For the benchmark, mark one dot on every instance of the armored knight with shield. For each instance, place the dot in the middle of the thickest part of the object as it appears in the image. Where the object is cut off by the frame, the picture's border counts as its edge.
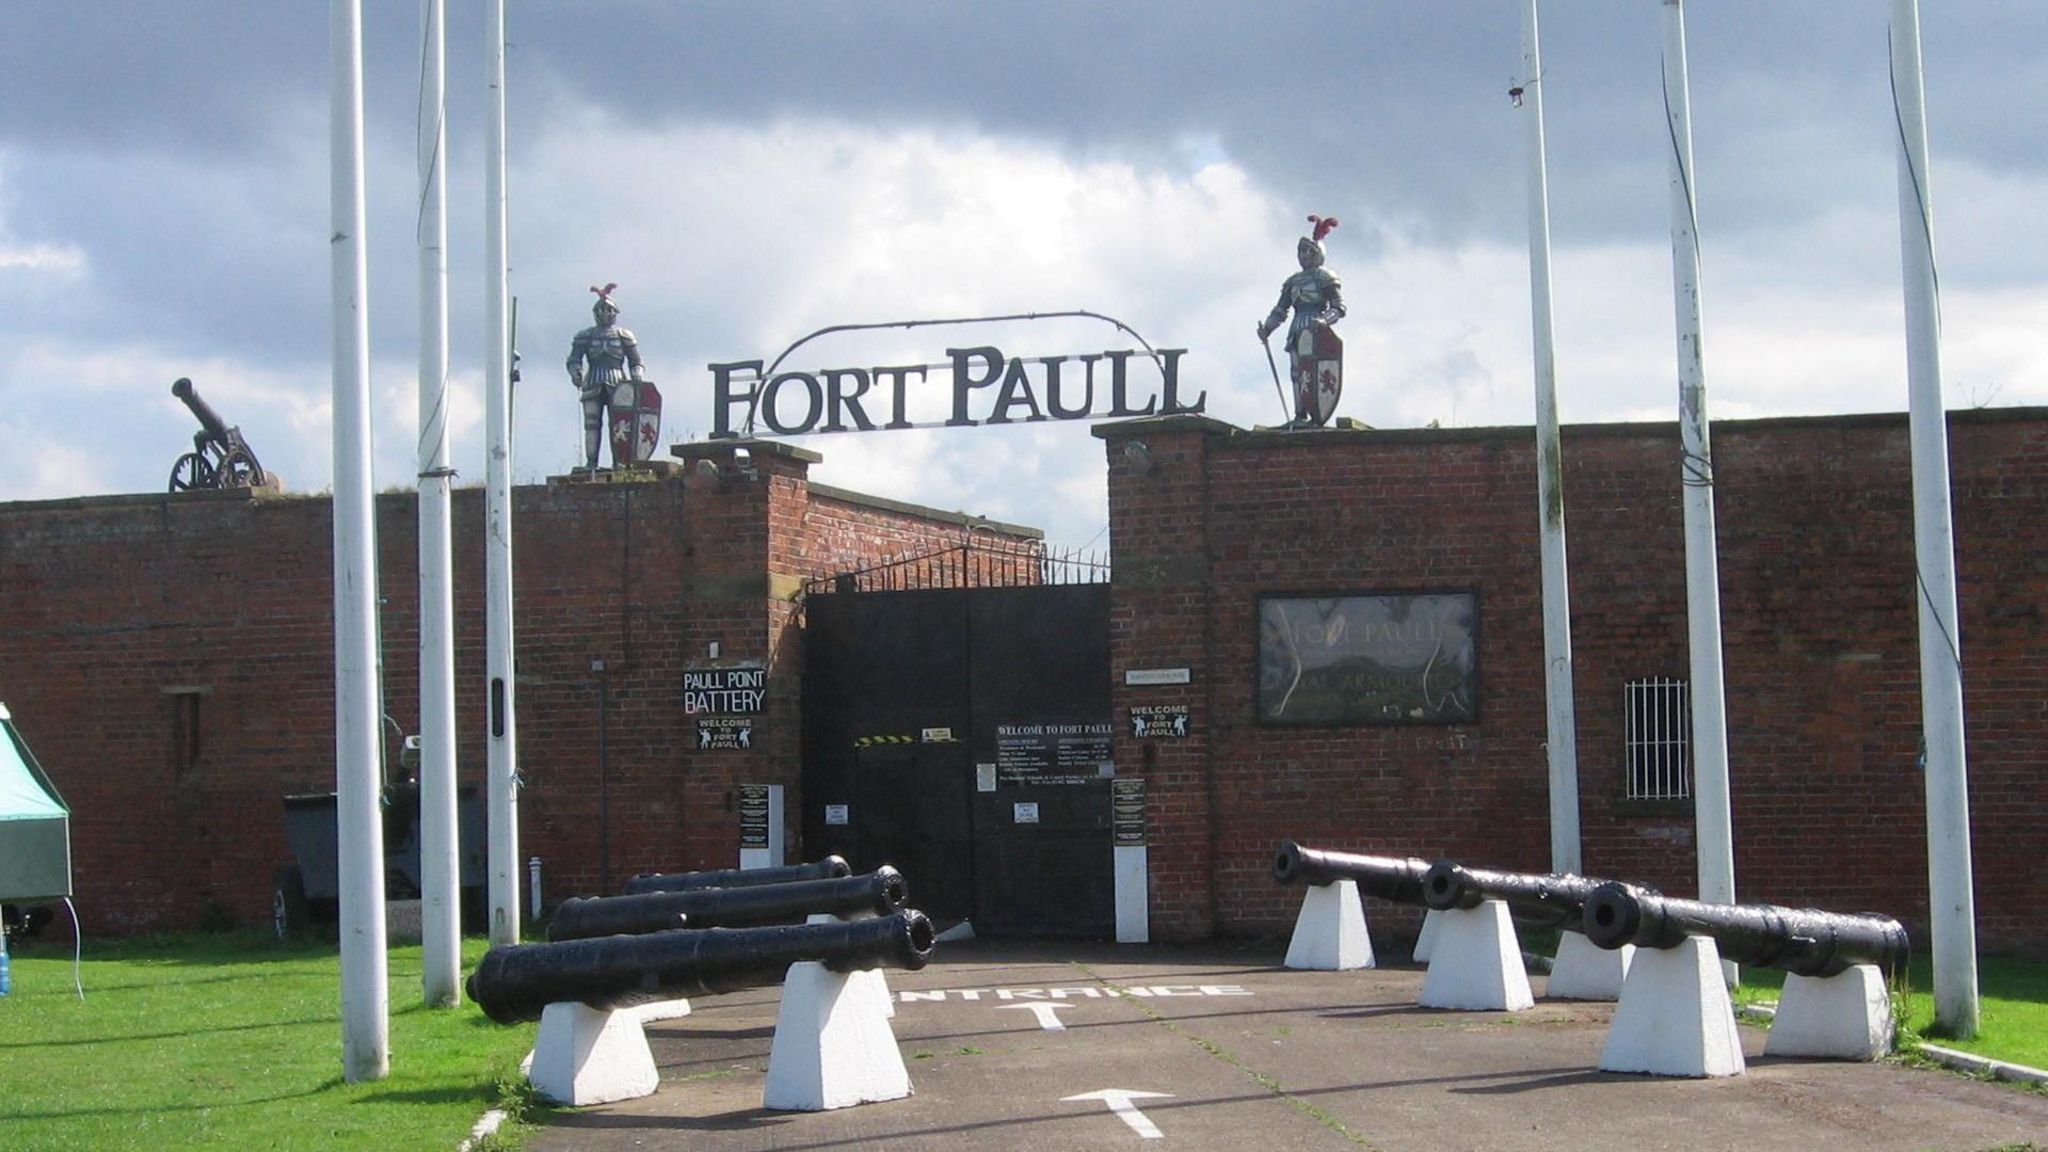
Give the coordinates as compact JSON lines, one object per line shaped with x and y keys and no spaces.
{"x":604,"y":365}
{"x":1315,"y":355}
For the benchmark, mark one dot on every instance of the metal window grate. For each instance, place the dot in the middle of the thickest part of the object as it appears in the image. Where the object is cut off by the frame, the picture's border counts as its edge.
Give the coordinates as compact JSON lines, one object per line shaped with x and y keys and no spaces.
{"x":1659,"y":739}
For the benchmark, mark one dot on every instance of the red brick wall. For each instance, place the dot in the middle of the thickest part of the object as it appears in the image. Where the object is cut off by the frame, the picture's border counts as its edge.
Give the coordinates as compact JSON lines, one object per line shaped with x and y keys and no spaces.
{"x":1821,"y":653}
{"x":107,"y":605}
{"x":112,"y":607}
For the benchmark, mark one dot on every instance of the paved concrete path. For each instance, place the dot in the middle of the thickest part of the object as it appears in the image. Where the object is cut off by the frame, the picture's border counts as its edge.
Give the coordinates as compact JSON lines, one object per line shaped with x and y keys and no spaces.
{"x":1222,"y":1049}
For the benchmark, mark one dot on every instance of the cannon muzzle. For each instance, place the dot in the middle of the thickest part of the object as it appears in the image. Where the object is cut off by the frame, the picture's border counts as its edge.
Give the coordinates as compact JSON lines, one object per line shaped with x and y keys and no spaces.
{"x":216,"y":428}
{"x":830,"y":868}
{"x":1388,"y":877}
{"x":1545,"y":900}
{"x":879,"y":892}
{"x":1802,"y":941}
{"x":515,"y":982}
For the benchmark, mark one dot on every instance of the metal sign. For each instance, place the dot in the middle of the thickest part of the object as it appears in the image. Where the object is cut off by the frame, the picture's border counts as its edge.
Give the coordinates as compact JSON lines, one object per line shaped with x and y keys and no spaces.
{"x":726,"y":691}
{"x":1157,"y":721}
{"x":986,"y":386}
{"x":753,"y":816}
{"x":1054,"y":753}
{"x":1127,"y":811}
{"x":715,"y":732}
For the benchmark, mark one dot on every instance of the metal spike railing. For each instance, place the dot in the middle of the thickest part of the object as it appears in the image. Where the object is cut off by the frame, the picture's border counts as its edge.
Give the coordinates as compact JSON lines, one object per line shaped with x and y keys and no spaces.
{"x":971,"y":564}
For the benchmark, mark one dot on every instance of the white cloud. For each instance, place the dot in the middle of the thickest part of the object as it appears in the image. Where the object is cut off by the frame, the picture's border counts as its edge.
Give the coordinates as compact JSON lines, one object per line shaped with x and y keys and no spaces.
{"x":730,"y":243}
{"x":61,"y":259}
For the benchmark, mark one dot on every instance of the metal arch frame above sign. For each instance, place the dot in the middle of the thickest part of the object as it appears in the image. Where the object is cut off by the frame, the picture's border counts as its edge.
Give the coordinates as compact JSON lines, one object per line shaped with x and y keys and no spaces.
{"x":766,"y":379}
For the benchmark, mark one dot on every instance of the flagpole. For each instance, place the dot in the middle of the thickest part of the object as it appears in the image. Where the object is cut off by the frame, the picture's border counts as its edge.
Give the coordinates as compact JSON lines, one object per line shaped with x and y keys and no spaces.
{"x":1951,"y":905}
{"x":1713,"y":823}
{"x":440,"y":874}
{"x":1561,"y":742}
{"x":502,"y":769}
{"x":358,"y":734}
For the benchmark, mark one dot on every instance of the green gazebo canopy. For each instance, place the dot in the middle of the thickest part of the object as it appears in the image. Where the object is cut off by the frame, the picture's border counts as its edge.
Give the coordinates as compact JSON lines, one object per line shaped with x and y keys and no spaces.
{"x":35,"y":826}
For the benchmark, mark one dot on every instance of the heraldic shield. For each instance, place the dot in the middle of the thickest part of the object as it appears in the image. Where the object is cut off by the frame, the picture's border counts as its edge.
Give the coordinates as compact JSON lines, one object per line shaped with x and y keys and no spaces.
{"x":635,"y":421}
{"x":1318,"y":377}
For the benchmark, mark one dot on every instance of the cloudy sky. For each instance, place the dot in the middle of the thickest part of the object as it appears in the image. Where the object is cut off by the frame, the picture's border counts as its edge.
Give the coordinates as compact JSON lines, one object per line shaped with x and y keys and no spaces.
{"x":748,"y":172}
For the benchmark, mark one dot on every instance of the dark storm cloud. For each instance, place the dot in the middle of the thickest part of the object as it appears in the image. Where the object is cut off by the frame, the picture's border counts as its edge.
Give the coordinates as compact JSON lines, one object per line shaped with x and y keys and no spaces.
{"x":172,"y":156}
{"x":1397,"y":106}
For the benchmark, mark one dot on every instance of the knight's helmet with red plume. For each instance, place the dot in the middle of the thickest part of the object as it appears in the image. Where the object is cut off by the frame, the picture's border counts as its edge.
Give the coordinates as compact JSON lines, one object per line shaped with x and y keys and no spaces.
{"x":1319,"y":227}
{"x":604,"y":303}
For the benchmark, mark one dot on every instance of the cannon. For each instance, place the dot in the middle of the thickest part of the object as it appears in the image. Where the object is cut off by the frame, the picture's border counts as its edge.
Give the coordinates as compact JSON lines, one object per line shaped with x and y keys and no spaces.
{"x":1801,"y":941}
{"x":1553,"y":900}
{"x":515,"y":982}
{"x":880,"y":892}
{"x":1388,"y":877}
{"x":830,"y":868}
{"x":220,"y":458}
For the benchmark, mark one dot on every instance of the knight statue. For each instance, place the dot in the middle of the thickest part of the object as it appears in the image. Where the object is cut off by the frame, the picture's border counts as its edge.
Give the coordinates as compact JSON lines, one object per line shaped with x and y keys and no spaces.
{"x":604,"y":365}
{"x":1315,"y":355}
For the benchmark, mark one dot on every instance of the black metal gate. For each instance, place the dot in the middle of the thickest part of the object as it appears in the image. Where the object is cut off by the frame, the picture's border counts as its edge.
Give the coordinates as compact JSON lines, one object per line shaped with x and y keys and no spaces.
{"x":962,"y":734}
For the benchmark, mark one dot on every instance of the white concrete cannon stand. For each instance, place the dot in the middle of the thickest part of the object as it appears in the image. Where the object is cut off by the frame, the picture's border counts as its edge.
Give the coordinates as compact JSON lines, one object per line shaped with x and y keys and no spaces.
{"x":1475,"y":964}
{"x":833,"y":1045}
{"x":1674,"y":1018}
{"x":1847,"y":1016}
{"x":1425,"y":940}
{"x":1583,"y":970}
{"x":1329,"y":932}
{"x":586,"y":1055}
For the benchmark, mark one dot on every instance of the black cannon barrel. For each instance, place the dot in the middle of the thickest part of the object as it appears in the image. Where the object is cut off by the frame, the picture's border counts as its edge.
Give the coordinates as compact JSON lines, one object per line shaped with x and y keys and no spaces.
{"x":830,"y":868}
{"x":216,"y":428}
{"x":1393,"y":878}
{"x":515,"y":982}
{"x":1799,"y":940}
{"x":881,"y":892}
{"x":1548,"y":900}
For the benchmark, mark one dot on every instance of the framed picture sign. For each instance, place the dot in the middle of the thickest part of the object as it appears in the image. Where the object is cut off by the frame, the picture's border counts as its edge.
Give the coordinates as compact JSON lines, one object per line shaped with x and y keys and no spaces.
{"x":1369,"y":659}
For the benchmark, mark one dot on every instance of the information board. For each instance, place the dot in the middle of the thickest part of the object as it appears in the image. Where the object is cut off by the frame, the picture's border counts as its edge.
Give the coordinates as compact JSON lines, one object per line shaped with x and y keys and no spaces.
{"x":1369,"y":659}
{"x":1040,"y":754}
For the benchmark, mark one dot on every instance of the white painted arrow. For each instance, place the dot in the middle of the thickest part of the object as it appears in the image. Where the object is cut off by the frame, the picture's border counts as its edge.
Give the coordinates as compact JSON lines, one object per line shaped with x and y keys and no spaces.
{"x":1119,"y":1101}
{"x":1048,"y":1015}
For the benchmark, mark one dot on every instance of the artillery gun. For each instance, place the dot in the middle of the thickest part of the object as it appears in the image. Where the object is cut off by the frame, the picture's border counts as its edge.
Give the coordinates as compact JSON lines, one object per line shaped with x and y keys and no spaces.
{"x":515,"y":982}
{"x":1394,"y":878}
{"x":220,"y":458}
{"x":878,"y":893}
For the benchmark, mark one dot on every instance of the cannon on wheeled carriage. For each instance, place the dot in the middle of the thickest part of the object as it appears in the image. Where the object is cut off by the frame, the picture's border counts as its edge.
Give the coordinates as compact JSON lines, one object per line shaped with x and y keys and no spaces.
{"x":220,"y":458}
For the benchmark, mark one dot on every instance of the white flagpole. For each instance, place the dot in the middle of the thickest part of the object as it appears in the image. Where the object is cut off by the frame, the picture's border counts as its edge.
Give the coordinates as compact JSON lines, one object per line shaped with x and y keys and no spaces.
{"x":365,"y":1025}
{"x":1951,"y":905}
{"x":502,"y":770}
{"x":1562,"y":733}
{"x":440,"y":876}
{"x":1702,"y":567}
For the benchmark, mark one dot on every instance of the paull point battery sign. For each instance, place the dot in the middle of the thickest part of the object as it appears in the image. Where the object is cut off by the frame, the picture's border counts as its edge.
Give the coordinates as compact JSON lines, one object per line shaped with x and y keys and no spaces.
{"x":724,"y":691}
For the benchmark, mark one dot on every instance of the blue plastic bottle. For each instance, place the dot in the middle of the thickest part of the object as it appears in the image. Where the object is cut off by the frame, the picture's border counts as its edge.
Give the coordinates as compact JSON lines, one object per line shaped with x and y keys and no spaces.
{"x":6,"y":980}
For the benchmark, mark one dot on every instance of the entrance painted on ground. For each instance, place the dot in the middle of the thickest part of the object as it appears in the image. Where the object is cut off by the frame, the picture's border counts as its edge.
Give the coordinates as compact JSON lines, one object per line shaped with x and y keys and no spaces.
{"x":963,"y":736}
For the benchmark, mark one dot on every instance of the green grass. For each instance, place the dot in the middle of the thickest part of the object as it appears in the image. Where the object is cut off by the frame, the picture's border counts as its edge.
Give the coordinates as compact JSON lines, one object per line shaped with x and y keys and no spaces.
{"x":234,"y":1041}
{"x":2013,"y":1008}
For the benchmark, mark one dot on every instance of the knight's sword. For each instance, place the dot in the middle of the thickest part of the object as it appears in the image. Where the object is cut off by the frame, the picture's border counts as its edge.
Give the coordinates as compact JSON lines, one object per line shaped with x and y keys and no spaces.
{"x":1286,"y":409}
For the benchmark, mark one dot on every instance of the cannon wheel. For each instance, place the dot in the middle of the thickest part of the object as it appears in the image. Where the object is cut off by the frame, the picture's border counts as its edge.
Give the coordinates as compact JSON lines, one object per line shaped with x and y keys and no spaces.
{"x":191,"y":471}
{"x":290,"y":915}
{"x":238,"y":469}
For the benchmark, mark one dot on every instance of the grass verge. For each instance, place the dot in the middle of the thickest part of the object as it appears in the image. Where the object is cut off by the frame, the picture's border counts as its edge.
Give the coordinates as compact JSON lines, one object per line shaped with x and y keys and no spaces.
{"x":234,"y":1041}
{"x":2013,"y":1008}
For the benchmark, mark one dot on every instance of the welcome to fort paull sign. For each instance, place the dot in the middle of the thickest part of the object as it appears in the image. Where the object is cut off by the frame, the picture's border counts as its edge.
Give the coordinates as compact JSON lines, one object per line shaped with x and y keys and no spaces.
{"x":984,"y":386}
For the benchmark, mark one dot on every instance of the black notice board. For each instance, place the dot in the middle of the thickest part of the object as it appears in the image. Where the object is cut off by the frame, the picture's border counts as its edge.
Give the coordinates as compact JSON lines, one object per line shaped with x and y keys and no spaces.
{"x":1369,"y":658}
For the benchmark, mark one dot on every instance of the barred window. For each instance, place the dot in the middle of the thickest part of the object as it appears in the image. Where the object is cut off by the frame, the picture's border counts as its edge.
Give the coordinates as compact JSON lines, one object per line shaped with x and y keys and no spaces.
{"x":1659,"y":734}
